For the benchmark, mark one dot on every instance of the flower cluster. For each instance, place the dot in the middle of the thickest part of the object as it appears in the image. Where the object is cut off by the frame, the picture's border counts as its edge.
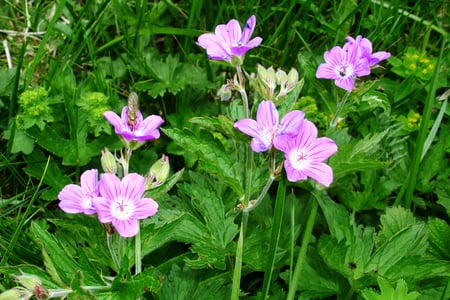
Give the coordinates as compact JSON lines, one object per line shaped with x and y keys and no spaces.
{"x":354,"y":59}
{"x":296,"y":137}
{"x":115,"y":201}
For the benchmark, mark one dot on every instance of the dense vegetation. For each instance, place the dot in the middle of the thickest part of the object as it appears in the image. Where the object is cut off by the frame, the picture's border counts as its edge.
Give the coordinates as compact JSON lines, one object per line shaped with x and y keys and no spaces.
{"x":381,"y":230}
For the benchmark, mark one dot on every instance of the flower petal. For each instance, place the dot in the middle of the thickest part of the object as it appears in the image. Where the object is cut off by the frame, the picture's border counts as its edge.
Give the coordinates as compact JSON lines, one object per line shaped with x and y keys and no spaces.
{"x":133,"y":187}
{"x":291,"y":122}
{"x":320,"y":172}
{"x":71,"y":197}
{"x":144,"y":208}
{"x":322,"y":149}
{"x":249,"y":127}
{"x":103,"y":207}
{"x":89,"y":182}
{"x":267,"y":116}
{"x":109,"y":186}
{"x":126,"y":228}
{"x":248,"y":29}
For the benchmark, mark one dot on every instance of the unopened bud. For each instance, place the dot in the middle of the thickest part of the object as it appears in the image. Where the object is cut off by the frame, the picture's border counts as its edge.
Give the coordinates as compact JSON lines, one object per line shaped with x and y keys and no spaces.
{"x":16,"y":293}
{"x":159,"y":172}
{"x":108,"y":162}
{"x":281,"y":77}
{"x":224,"y":93}
{"x":292,"y":79}
{"x":29,"y":281}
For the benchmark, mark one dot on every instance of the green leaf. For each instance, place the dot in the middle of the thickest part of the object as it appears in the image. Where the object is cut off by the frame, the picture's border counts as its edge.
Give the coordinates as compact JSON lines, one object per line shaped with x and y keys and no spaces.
{"x":352,"y":158}
{"x":409,"y":241}
{"x":388,"y":292}
{"x":218,"y":160}
{"x":439,"y":237}
{"x":394,"y":220}
{"x":186,"y":283}
{"x":58,"y":261}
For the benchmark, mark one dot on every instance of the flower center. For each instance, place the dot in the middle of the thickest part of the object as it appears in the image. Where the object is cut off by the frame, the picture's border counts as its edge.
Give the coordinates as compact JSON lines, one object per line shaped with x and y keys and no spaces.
{"x":299,"y":159}
{"x":345,"y":71}
{"x":87,"y":200}
{"x":122,"y":209}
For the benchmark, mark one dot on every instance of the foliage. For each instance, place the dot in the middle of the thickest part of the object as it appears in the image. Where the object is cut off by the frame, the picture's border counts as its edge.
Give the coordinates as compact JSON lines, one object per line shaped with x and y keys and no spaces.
{"x":67,"y":62}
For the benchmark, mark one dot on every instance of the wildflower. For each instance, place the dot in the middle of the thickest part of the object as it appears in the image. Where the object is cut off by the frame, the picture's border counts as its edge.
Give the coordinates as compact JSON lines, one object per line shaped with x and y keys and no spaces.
{"x":228,"y":40}
{"x":365,"y":50}
{"x":342,"y":65}
{"x":78,"y":199}
{"x":137,"y":129}
{"x":305,"y":154}
{"x":266,"y":128}
{"x":122,"y":204}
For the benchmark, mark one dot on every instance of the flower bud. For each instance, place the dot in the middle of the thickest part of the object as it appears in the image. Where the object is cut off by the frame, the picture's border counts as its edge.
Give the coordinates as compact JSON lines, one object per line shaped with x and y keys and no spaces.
{"x":281,"y":77}
{"x":16,"y":293}
{"x":224,"y":93}
{"x":29,"y":281}
{"x":292,"y":79}
{"x":159,"y":172}
{"x":108,"y":162}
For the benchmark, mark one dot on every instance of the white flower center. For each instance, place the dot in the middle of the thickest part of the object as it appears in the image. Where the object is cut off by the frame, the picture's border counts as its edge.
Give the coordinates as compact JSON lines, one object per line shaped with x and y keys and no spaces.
{"x":87,"y":200}
{"x":299,"y":159}
{"x":345,"y":71}
{"x":122,"y":208}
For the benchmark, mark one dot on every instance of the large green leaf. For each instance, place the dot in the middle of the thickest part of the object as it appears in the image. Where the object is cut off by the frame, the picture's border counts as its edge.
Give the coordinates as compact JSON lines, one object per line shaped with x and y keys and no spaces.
{"x":218,"y":161}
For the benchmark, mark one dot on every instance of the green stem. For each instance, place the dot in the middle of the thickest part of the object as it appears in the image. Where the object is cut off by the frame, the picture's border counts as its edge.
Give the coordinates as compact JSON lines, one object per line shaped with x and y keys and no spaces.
{"x":137,"y":253}
{"x":251,"y":206}
{"x":303,"y":249}
{"x":112,"y":251}
{"x":276,"y":229}
{"x":243,"y":91}
{"x":339,"y":108}
{"x":235,"y":291}
{"x":236,"y":287}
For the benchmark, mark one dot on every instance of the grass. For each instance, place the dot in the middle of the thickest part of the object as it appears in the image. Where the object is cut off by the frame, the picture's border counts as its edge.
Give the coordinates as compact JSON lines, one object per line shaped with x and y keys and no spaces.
{"x":392,"y":162}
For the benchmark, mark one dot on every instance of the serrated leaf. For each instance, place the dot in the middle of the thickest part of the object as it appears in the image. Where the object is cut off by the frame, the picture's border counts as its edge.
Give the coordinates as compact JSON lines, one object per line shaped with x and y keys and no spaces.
{"x":418,"y":268}
{"x":439,"y":238}
{"x":409,"y":241}
{"x":58,"y":261}
{"x":394,"y":220}
{"x":388,"y":292}
{"x":214,"y":156}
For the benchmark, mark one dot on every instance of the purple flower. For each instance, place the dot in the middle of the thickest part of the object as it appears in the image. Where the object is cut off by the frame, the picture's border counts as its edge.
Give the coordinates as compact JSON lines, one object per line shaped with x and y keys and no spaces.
{"x":122,"y":204}
{"x":76,"y":199}
{"x":342,"y":65}
{"x":228,"y":40}
{"x":266,"y":128}
{"x":140,"y":129}
{"x":305,"y":154}
{"x":365,"y":50}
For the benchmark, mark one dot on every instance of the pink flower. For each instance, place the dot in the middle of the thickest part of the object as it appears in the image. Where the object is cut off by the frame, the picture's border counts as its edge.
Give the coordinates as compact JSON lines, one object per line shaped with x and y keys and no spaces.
{"x":228,"y":40}
{"x":342,"y":65}
{"x":305,"y":155}
{"x":365,"y":50}
{"x":266,"y":128}
{"x":122,"y":204}
{"x":76,"y":199}
{"x":140,"y":130}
